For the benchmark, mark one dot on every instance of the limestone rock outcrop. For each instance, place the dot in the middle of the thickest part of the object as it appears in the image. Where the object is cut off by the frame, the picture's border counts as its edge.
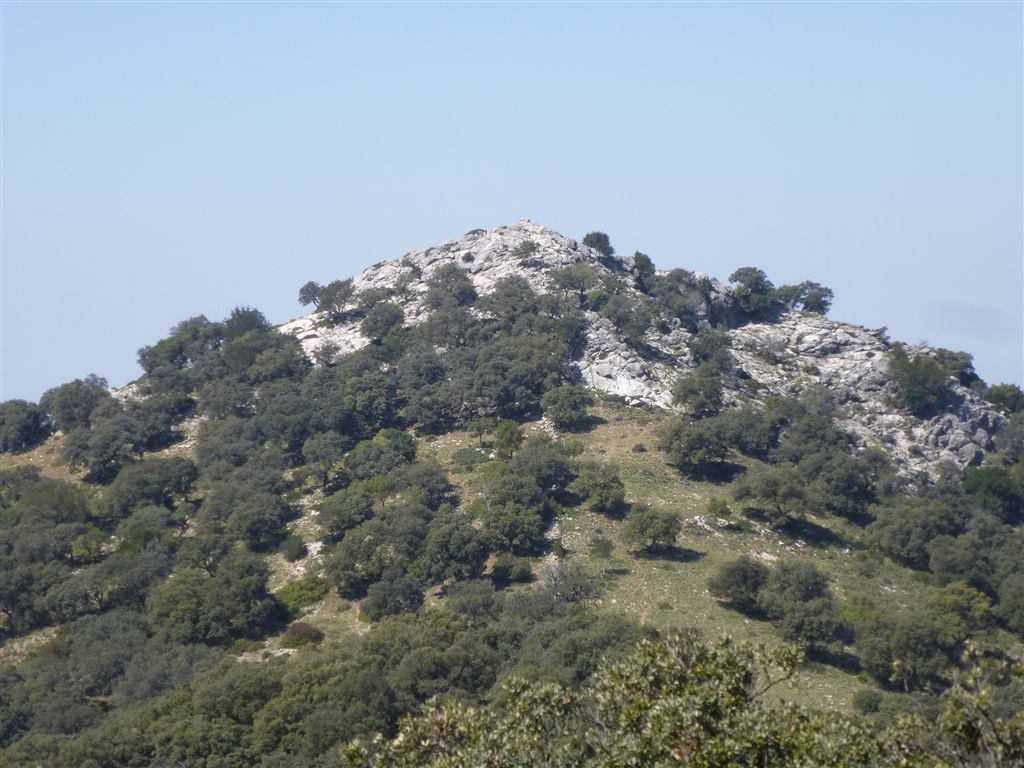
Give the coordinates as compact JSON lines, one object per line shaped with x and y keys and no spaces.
{"x":785,"y":357}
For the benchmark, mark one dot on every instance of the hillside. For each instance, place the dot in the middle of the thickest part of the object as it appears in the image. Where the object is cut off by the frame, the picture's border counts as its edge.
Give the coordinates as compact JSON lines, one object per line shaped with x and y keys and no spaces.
{"x":793,"y":352}
{"x":470,"y":483}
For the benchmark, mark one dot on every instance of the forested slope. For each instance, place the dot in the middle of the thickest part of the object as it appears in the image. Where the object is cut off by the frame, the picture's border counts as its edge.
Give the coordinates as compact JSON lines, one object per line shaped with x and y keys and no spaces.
{"x":470,"y":483}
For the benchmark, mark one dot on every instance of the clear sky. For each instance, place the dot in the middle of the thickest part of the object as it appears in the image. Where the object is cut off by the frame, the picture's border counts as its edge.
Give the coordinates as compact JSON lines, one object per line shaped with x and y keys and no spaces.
{"x":164,"y":160}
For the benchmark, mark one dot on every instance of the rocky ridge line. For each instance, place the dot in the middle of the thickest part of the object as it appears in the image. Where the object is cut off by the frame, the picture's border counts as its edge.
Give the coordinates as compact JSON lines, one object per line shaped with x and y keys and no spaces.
{"x":800,"y":351}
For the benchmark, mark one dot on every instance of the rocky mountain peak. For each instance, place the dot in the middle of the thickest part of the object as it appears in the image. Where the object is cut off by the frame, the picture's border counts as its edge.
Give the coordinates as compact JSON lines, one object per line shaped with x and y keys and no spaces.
{"x":795,"y":352}
{"x":525,"y":249}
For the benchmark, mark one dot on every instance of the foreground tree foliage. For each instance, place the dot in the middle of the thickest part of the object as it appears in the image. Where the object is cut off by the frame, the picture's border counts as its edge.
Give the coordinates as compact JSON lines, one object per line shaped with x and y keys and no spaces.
{"x":681,"y":701}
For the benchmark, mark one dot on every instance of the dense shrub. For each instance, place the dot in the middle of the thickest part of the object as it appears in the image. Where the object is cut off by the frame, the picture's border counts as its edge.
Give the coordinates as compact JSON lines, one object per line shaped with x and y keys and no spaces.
{"x":921,"y":381}
{"x":700,"y":391}
{"x":567,"y":406}
{"x":396,"y":592}
{"x":650,"y":529}
{"x":740,"y":582}
{"x":1009,"y":398}
{"x":298,"y":594}
{"x":693,"y":446}
{"x":293,"y":548}
{"x":901,"y":649}
{"x":22,"y":425}
{"x":600,"y":487}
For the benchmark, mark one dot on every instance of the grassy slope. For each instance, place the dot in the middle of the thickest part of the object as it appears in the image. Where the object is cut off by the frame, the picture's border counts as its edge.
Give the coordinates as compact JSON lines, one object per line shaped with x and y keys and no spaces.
{"x":660,"y":592}
{"x":672,"y":592}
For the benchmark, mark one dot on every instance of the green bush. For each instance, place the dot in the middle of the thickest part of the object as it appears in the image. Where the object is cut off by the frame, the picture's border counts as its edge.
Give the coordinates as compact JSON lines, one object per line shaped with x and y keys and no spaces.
{"x":693,"y":446}
{"x":922,"y":381}
{"x":293,"y":548}
{"x":525,"y":250}
{"x":465,"y":459}
{"x":296,"y":595}
{"x":739,"y":582}
{"x":652,"y":530}
{"x":700,"y":391}
{"x":867,"y":701}
{"x":567,"y":406}
{"x":718,"y":508}
{"x":600,"y":487}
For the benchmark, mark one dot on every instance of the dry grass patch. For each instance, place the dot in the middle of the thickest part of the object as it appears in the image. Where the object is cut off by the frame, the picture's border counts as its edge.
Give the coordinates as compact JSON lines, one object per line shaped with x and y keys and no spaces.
{"x":16,"y":649}
{"x":47,"y":458}
{"x":337,"y":618}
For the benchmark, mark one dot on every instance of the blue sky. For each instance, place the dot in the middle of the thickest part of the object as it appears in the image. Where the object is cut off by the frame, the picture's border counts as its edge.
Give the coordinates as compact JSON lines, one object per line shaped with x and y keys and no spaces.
{"x":166,"y":160}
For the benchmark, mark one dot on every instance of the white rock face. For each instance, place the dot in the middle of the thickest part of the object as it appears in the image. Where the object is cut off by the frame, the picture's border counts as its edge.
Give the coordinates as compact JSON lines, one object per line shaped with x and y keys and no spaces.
{"x":850,"y":362}
{"x":799,"y":351}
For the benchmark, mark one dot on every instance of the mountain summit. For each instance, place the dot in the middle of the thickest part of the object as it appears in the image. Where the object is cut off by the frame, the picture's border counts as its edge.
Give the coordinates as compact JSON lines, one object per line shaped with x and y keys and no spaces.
{"x":782,"y":352}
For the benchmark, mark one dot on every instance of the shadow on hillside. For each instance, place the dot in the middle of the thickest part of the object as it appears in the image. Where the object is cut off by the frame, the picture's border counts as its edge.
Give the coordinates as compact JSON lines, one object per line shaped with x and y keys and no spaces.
{"x":746,"y":611}
{"x":617,"y":570}
{"x":652,"y":354}
{"x":672,"y":554}
{"x":805,"y":530}
{"x":842,"y":660}
{"x":860,"y":519}
{"x":812,"y":533}
{"x":737,"y":318}
{"x":587,"y":424}
{"x":721,"y":473}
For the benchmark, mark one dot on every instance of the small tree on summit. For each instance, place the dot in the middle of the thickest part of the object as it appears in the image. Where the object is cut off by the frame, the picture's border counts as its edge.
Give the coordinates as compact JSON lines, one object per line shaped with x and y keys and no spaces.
{"x":242,"y":320}
{"x":754,"y":292}
{"x":578,"y":278}
{"x":817,"y":298}
{"x":310,"y":293}
{"x":810,"y":296}
{"x":921,"y":380}
{"x":72,"y":404}
{"x":643,"y":268}
{"x":600,"y":242}
{"x":22,"y":425}
{"x":335,"y":295}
